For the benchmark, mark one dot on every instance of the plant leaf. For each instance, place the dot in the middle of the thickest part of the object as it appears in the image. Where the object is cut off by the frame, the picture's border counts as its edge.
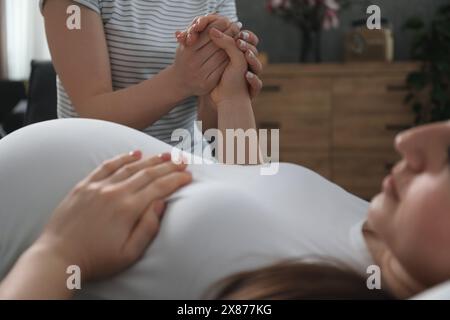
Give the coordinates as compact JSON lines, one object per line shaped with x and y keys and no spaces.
{"x":417,"y":80}
{"x":414,"y":23}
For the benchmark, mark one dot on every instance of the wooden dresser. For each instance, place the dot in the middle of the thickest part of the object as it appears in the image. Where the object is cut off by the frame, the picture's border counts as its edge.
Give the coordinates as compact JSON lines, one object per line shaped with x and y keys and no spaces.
{"x":339,"y":120}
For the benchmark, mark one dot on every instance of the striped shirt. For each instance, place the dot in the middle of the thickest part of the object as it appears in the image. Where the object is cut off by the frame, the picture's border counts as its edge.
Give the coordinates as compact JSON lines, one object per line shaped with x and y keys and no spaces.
{"x":141,"y":43}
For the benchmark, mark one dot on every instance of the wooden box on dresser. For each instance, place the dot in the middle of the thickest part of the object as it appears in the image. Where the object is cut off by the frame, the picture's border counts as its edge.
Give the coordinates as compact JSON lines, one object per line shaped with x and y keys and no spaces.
{"x":339,"y":120}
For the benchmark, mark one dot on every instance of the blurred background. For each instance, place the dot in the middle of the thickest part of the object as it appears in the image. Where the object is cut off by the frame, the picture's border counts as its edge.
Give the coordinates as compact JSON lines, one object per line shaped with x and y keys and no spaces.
{"x":337,"y":92}
{"x":23,"y":38}
{"x":281,"y":39}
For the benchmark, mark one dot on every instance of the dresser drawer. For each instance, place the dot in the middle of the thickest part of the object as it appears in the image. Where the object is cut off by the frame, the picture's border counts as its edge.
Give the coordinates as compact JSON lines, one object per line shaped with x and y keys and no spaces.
{"x":374,"y":133}
{"x":296,"y":130}
{"x":362,"y":173}
{"x":303,"y":117}
{"x":280,"y":85}
{"x":362,"y":85}
{"x":315,"y":160}
{"x":369,"y":120}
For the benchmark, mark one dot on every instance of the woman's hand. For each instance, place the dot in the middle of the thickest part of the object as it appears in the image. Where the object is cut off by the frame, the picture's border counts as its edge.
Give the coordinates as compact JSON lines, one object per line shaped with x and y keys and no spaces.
{"x":246,"y":41}
{"x":234,"y":107}
{"x":105,"y":224}
{"x":198,"y":68}
{"x":233,"y":85}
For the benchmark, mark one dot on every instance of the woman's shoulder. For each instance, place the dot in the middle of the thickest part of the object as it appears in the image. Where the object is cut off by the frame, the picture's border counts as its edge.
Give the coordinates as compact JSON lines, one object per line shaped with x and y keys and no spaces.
{"x":94,"y":5}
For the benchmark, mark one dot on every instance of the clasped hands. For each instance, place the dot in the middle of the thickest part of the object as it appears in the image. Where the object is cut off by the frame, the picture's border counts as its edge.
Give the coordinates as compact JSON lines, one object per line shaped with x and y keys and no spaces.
{"x":201,"y":61}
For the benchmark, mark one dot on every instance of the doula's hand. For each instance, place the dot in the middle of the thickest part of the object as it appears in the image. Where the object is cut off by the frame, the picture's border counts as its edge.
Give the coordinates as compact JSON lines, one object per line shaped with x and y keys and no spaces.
{"x":233,"y":84}
{"x":246,"y":41}
{"x":198,"y":68}
{"x":108,"y":220}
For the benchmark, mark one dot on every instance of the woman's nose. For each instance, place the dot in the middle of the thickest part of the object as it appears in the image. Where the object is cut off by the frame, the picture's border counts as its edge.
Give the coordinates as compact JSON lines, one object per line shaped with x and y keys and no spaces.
{"x":402,"y":141}
{"x":408,"y":145}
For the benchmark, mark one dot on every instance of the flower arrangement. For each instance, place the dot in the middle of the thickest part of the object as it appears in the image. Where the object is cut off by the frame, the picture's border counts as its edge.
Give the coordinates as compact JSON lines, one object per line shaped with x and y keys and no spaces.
{"x":311,"y":16}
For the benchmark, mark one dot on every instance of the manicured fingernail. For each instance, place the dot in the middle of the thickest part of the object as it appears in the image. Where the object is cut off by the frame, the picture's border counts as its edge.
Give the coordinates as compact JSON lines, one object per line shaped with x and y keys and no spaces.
{"x":184,"y":160}
{"x":180,"y":159}
{"x":216,"y":33}
{"x":251,"y":54}
{"x":136,"y":154}
{"x":239,"y":24}
{"x":165,"y":156}
{"x":242,"y":44}
{"x":250,"y":75}
{"x":245,"y":35}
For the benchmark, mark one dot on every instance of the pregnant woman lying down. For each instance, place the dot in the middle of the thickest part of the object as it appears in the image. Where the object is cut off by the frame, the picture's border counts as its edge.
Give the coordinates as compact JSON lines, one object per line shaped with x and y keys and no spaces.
{"x":290,"y":235}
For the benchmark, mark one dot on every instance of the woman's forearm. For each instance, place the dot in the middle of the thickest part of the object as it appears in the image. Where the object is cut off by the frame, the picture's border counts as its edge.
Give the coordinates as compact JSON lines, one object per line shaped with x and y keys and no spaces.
{"x":81,"y":59}
{"x":138,"y":106}
{"x":38,"y":274}
{"x":237,"y":115}
{"x":207,"y":113}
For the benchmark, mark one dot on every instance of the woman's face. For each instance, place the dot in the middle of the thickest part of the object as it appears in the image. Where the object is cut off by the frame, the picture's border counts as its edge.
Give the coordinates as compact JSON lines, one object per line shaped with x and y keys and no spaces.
{"x":412,"y":214}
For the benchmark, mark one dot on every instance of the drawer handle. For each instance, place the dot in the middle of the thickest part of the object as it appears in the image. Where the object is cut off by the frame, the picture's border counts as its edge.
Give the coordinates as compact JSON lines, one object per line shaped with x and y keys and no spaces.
{"x":270,"y":125}
{"x":397,"y":127}
{"x":271,"y":89}
{"x":397,"y":87}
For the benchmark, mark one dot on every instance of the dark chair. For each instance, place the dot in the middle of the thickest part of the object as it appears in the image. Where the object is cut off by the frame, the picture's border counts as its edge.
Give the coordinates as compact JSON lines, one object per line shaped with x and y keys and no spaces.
{"x":11,"y":92}
{"x":40,"y":99}
{"x":41,"y":93}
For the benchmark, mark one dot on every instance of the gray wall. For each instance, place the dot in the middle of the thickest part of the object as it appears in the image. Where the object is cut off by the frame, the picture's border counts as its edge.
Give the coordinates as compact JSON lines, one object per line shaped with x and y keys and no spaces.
{"x":281,"y":40}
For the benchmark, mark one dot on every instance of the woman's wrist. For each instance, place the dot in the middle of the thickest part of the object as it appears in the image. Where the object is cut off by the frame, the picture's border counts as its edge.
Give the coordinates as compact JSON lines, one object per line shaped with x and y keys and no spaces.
{"x":232,"y":102}
{"x":46,"y":249}
{"x":181,"y":89}
{"x":40,"y":273}
{"x":236,"y":113}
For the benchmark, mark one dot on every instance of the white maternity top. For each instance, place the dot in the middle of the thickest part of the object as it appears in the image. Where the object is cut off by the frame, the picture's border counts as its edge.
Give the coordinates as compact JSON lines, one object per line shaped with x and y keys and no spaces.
{"x":229,"y":220}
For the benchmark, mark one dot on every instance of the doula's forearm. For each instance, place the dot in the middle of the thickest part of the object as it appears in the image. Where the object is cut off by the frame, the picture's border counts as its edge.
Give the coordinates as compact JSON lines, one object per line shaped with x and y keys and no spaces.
{"x":37,"y":275}
{"x":138,"y":106}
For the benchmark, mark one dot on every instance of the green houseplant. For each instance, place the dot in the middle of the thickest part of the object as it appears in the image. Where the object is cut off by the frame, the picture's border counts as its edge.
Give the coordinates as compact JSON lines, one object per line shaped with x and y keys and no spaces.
{"x":429,"y":88}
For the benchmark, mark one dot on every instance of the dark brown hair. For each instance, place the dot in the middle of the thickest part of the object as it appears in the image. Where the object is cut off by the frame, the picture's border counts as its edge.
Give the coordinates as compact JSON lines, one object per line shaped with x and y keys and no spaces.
{"x":296,"y":281}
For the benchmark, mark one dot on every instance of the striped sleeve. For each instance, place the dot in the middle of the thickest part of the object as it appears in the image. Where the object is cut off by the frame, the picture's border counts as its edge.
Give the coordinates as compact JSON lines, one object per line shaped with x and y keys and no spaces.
{"x":227,"y":8}
{"x":91,"y":4}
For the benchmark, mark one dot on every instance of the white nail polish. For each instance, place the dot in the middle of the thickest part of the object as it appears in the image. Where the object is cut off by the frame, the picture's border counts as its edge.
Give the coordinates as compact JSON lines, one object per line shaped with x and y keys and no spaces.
{"x":250,"y":75}
{"x":251,"y":54}
{"x":245,"y":35}
{"x":239,"y":24}
{"x":242,"y":44}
